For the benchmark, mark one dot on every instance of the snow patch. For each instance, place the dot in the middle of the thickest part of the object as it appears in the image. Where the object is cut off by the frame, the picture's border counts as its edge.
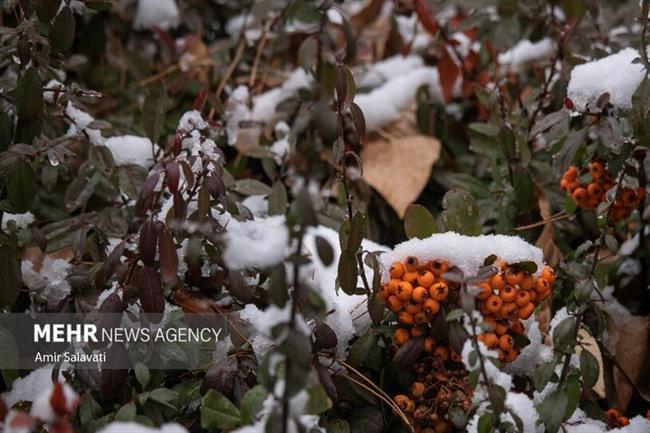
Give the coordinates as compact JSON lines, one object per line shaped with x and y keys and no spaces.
{"x":131,"y":427}
{"x":262,"y":242}
{"x":132,"y":150}
{"x":22,"y":220}
{"x":525,"y":52}
{"x":163,"y":14}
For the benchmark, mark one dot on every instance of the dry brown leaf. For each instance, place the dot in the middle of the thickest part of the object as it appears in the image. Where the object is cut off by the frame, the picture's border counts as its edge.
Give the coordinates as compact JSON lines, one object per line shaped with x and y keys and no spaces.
{"x":552,"y":254}
{"x":590,"y":344}
{"x":399,"y":168}
{"x":631,"y":336}
{"x":367,"y":14}
{"x":36,"y":256}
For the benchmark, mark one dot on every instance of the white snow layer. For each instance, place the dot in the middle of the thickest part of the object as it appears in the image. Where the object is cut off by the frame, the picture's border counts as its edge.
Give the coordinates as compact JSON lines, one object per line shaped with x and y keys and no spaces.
{"x":525,"y":52}
{"x":466,"y":252}
{"x":22,"y":220}
{"x":262,"y":242}
{"x":156,"y":13}
{"x":51,"y":279}
{"x":132,"y":150}
{"x":131,"y":427}
{"x":28,"y":388}
{"x":385,"y":103}
{"x":42,"y":408}
{"x":615,"y":74}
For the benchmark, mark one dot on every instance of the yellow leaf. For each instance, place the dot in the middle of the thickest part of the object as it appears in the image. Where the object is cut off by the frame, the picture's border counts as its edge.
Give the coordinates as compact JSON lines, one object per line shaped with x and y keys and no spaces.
{"x":399,"y":168}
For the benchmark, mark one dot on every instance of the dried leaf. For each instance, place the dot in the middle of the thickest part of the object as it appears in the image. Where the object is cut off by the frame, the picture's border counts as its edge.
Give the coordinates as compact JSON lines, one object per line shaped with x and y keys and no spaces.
{"x":399,"y":169}
{"x":552,"y":254}
{"x":366,"y":14}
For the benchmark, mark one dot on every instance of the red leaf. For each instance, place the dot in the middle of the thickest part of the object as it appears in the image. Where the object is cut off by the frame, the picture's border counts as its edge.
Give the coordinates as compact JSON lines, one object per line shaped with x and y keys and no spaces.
{"x":449,"y":73}
{"x":150,"y":293}
{"x":199,"y":101}
{"x":58,"y":401}
{"x":180,"y":209}
{"x":168,"y":255}
{"x":178,"y":144}
{"x":109,"y":266}
{"x":62,"y":426}
{"x":215,"y":186}
{"x":568,"y":103}
{"x":425,"y":14}
{"x":21,"y":419}
{"x":145,"y":200}
{"x":148,"y":242}
{"x":173,"y":174}
{"x":3,"y":409}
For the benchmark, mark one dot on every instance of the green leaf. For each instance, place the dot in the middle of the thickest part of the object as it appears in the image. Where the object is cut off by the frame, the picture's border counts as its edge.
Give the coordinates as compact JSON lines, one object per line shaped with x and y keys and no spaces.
{"x":564,"y":333}
{"x":251,"y":187}
{"x":361,"y":348}
{"x":218,"y":412}
{"x":348,"y":272}
{"x":589,"y":368}
{"x":126,"y":412}
{"x":460,"y":213}
{"x":484,"y":129}
{"x":11,"y":276}
{"x":418,"y":222}
{"x":457,"y":416}
{"x":338,"y":426}
{"x":454,"y":314}
{"x":278,"y":199}
{"x":543,"y":374}
{"x":99,"y":5}
{"x":553,"y":408}
{"x":324,"y":250}
{"x":29,"y":95}
{"x":142,"y":374}
{"x":6,"y":131}
{"x":154,"y":111}
{"x":63,"y":29}
{"x":486,"y":422}
{"x":21,"y":186}
{"x":251,"y":403}
{"x":318,"y":401}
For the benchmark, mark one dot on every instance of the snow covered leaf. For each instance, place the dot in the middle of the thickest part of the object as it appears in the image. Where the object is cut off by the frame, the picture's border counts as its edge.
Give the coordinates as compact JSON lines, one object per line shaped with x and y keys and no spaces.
{"x":408,"y":159}
{"x":218,"y":412}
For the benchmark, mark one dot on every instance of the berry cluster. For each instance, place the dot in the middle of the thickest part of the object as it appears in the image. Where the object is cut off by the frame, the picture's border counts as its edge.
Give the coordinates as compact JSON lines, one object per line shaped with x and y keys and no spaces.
{"x":415,"y":293}
{"x":590,"y":195}
{"x":508,"y":297}
{"x":615,"y":418}
{"x":439,"y":386}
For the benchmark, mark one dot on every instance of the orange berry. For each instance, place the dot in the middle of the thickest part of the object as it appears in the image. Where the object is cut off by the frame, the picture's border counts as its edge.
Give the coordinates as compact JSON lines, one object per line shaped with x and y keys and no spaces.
{"x":622,"y":421}
{"x":570,"y":189}
{"x":571,"y":173}
{"x":421,"y":318}
{"x":401,"y":336}
{"x":533,"y":296}
{"x":508,"y":309}
{"x":439,"y":266}
{"x":640,"y":191}
{"x":417,"y":332}
{"x":564,"y":183}
{"x":426,"y":279}
{"x":523,"y":298}
{"x":629,"y":197}
{"x":431,"y":306}
{"x":396,"y":270}
{"x":508,"y":294}
{"x":510,"y":355}
{"x":542,"y":296}
{"x":404,"y":291}
{"x":513,"y":277}
{"x":420,"y":294}
{"x":493,"y":304}
{"x":441,"y":352}
{"x":517,"y":327}
{"x":596,"y":169}
{"x":394,"y":304}
{"x":455,"y":356}
{"x":411,"y":277}
{"x":418,"y":389}
{"x":526,"y":311}
{"x":406,"y":318}
{"x":612,"y":415}
{"x":384,"y":293}
{"x":595,"y":190}
{"x":542,"y":285}
{"x":489,"y":339}
{"x":500,"y":328}
{"x":580,"y":196}
{"x":404,"y":403}
{"x":392,"y":285}
{"x":413,"y":308}
{"x":412,"y":263}
{"x":497,"y":282}
{"x":429,"y":344}
{"x":528,"y":282}
{"x":439,"y":291}
{"x":486,"y":291}
{"x":506,"y":342}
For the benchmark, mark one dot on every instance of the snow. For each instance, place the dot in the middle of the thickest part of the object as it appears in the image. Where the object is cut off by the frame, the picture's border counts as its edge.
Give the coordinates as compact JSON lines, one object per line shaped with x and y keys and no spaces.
{"x":466,"y":252}
{"x":132,"y":150}
{"x":348,"y":312}
{"x":262,"y":242}
{"x":52,"y":91}
{"x":581,"y":423}
{"x":163,"y":14}
{"x":80,"y":124}
{"x":22,"y":220}
{"x":384,"y":70}
{"x":280,"y":148}
{"x":385,"y":103}
{"x":265,"y":104}
{"x":191,"y":120}
{"x":257,"y":204}
{"x":29,"y":387}
{"x":534,"y":354}
{"x":42,"y":407}
{"x":615,"y":74}
{"x":131,"y":427}
{"x":51,"y":279}
{"x":496,"y":376}
{"x":522,"y":406}
{"x":237,"y":111}
{"x":525,"y":52}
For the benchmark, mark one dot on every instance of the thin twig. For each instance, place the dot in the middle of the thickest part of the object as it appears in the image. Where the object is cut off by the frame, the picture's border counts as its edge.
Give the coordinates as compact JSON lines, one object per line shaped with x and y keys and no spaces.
{"x":553,"y":218}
